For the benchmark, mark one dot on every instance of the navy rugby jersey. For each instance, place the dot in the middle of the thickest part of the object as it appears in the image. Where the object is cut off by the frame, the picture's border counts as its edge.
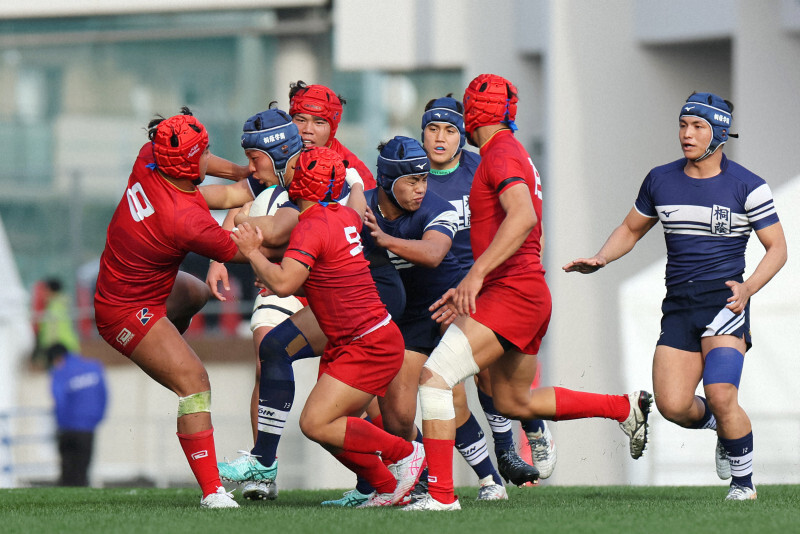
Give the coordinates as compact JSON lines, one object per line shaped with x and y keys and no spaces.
{"x":454,"y":187}
{"x":423,"y":285}
{"x":708,"y":221}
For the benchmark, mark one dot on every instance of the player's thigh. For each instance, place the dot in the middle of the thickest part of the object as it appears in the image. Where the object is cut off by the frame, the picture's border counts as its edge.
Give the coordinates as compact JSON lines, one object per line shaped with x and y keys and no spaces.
{"x":399,"y":405}
{"x":305,"y":321}
{"x":189,"y":294}
{"x":330,"y":400}
{"x":483,"y":381}
{"x":486,"y":348}
{"x":676,"y":374}
{"x":511,"y":377}
{"x":166,"y":357}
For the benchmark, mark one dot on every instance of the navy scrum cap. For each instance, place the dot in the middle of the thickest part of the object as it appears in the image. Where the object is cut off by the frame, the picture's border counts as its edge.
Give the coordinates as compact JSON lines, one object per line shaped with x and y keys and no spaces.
{"x":446,"y":110}
{"x":273,"y":132}
{"x":401,"y":156}
{"x":716,"y":112}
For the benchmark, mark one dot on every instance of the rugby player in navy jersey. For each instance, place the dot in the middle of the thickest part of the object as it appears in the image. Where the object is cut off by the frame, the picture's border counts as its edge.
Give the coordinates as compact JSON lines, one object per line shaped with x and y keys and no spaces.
{"x":450,"y":177}
{"x":708,"y":206}
{"x":272,"y":144}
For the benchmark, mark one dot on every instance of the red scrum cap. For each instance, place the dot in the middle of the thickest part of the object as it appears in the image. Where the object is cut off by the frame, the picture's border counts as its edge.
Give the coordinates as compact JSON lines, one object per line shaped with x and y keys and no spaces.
{"x":319,"y":101}
{"x":318,"y":176}
{"x":178,"y":144}
{"x":490,"y":99}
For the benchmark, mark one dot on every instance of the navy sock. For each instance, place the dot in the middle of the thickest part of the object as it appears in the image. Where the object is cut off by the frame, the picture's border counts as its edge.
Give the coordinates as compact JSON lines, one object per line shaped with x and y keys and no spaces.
{"x":533,"y":425}
{"x":740,"y":453}
{"x":471,"y":443}
{"x":501,"y":427}
{"x":276,"y":390}
{"x":707,"y":420}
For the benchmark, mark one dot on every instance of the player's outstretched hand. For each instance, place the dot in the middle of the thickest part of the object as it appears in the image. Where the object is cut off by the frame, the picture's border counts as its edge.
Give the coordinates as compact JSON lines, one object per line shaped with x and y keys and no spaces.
{"x":217,"y":272}
{"x":585,"y":265}
{"x":247,"y":238}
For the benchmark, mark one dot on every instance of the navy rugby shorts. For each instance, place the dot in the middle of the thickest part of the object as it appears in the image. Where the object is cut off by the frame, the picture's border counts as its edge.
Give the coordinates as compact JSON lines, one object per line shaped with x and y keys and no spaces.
{"x":694,"y":310}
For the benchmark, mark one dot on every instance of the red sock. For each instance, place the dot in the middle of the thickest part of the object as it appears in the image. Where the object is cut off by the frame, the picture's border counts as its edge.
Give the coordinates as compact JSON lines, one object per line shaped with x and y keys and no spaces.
{"x":439,"y":453}
{"x":579,"y":405}
{"x":202,"y":457}
{"x":378,"y":421}
{"x":370,"y":468}
{"x":361,"y":436}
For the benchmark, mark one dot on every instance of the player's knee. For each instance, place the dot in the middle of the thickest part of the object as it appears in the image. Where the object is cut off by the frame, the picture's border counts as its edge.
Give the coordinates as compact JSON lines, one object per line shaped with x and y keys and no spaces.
{"x":436,"y":403}
{"x":722,"y":399}
{"x":451,"y":360}
{"x":194,"y":403}
{"x":284,"y":343}
{"x":674,"y":409}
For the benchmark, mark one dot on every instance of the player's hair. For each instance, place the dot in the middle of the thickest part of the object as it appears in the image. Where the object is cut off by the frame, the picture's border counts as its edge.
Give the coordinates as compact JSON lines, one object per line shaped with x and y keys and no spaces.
{"x":295,"y":87}
{"x":152,"y":126}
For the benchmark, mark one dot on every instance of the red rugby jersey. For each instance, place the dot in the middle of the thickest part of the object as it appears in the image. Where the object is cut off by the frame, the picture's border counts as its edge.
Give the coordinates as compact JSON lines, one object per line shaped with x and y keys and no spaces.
{"x":340,"y":289}
{"x":502,"y":159}
{"x":355,"y":163}
{"x":153,"y":228}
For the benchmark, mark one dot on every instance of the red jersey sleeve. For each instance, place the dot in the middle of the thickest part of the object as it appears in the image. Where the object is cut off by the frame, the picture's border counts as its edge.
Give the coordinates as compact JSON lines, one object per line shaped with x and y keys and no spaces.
{"x":200,"y":233}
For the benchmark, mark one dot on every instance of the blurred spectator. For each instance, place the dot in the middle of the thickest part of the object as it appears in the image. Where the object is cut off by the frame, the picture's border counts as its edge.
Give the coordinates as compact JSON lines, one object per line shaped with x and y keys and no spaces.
{"x":53,"y":318}
{"x":79,"y":391}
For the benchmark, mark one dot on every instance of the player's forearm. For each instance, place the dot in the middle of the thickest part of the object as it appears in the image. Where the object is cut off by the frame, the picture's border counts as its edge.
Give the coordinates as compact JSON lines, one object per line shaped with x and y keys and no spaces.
{"x":774,"y":259}
{"x":620,"y":242}
{"x":229,"y":222}
{"x":223,"y":168}
{"x":271,"y":274}
{"x":418,"y":251}
{"x":356,"y":200}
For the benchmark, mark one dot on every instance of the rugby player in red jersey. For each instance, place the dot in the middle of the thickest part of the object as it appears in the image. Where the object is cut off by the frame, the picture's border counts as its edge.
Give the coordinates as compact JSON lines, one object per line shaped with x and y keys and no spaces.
{"x":317,"y":111}
{"x":162,"y":217}
{"x":502,"y":306}
{"x":365,"y":348}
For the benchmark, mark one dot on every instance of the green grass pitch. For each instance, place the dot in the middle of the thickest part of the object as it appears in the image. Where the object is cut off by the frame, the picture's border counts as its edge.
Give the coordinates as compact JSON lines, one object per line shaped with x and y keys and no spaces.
{"x":611,"y":509}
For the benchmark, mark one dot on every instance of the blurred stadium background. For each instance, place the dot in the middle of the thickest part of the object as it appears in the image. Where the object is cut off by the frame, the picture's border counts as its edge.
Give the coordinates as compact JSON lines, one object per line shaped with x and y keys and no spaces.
{"x":600,"y":85}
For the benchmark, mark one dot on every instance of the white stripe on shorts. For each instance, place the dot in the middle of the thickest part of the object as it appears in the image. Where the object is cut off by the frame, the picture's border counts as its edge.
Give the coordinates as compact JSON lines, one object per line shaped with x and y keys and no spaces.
{"x":726,"y":322}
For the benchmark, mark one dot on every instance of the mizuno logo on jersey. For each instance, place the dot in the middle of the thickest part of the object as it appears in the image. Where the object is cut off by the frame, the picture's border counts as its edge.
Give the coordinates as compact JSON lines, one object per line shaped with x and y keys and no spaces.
{"x":144,"y":316}
{"x":668,"y":213}
{"x":124,"y":336}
